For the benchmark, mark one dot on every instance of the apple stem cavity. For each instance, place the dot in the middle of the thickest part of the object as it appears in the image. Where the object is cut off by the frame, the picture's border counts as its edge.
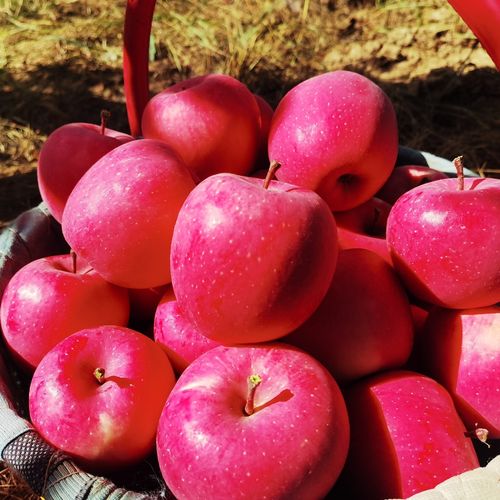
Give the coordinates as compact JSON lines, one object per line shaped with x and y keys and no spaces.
{"x":253,"y":382}
{"x":99,"y":374}
{"x":105,"y":115}
{"x":459,"y":165}
{"x":270,"y":173}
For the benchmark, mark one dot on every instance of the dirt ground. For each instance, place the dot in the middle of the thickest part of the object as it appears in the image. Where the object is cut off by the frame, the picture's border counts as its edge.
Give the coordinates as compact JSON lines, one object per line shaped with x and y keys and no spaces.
{"x":60,"y":62}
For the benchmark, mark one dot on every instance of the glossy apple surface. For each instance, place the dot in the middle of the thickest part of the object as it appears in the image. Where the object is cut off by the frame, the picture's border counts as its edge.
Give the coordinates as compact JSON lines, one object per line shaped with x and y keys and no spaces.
{"x":121,"y":215}
{"x":363,"y":324}
{"x":211,"y":121}
{"x":364,"y":226}
{"x":66,"y":155}
{"x":407,"y":177}
{"x":251,"y":263}
{"x":335,"y":133}
{"x":47,"y":300}
{"x":445,"y":242}
{"x":182,"y":342}
{"x":406,"y":436}
{"x":105,"y":419}
{"x":293,"y":445}
{"x":461,"y":350}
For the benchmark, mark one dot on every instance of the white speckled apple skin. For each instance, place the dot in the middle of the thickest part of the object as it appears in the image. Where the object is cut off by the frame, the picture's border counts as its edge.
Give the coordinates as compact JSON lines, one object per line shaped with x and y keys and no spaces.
{"x":292,"y":447}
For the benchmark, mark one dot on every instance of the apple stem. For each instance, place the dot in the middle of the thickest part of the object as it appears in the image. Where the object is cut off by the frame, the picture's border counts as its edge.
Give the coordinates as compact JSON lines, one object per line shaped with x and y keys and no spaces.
{"x":270,"y":173}
{"x":73,"y":260}
{"x":479,"y":433}
{"x":253,"y":382}
{"x":99,"y":375}
{"x":459,"y":165}
{"x":105,"y":115}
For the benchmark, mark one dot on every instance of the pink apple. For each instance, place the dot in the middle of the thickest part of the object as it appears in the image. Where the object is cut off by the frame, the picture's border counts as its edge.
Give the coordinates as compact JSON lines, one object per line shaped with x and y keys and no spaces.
{"x":335,"y":133}
{"x":364,"y":324}
{"x":251,"y":263}
{"x":445,"y":242}
{"x":98,"y":396}
{"x":121,"y":215}
{"x":49,"y":299}
{"x":364,"y":226}
{"x":461,"y":350}
{"x":263,"y":421}
{"x":211,"y":121}
{"x":67,"y":154}
{"x":406,"y":437}
{"x":182,"y":342}
{"x":407,"y":177}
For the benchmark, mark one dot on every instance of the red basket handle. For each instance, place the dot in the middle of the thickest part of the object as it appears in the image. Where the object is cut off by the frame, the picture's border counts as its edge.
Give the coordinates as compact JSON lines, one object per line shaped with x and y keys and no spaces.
{"x":483,"y":18}
{"x":137,"y":30}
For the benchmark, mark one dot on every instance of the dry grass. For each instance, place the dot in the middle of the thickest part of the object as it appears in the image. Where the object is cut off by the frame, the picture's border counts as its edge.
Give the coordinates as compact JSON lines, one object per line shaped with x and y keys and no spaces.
{"x":60,"y":61}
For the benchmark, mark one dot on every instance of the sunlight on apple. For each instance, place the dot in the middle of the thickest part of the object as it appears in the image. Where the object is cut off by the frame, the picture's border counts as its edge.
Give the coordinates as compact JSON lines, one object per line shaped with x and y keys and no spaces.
{"x":434,"y":218}
{"x":30,"y":293}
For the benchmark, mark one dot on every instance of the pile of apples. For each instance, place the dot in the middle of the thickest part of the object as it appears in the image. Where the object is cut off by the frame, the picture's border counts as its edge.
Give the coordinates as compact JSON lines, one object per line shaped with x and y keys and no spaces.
{"x":323,"y":323}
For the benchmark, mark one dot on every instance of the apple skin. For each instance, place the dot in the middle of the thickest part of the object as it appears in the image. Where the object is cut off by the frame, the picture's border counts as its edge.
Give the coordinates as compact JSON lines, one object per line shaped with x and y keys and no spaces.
{"x":109,"y":425}
{"x":182,"y":342}
{"x":293,"y":446}
{"x":335,"y":133}
{"x":211,"y":121}
{"x":266,"y":116}
{"x":46,"y":301}
{"x":66,"y":155}
{"x":406,"y":421}
{"x":461,"y":350}
{"x":250,"y":264}
{"x":121,"y":215}
{"x":432,"y":232}
{"x":406,"y":177}
{"x":364,"y":226}
{"x":364,"y":323}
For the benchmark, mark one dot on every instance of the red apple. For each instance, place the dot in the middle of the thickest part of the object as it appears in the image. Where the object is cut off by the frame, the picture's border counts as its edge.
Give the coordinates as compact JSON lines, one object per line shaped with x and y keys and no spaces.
{"x":407,"y":177}
{"x":211,"y":121}
{"x":67,"y":154}
{"x":266,"y":116}
{"x":49,"y":299}
{"x":445,"y":242}
{"x":461,"y":350}
{"x":98,"y":396}
{"x":251,"y":260}
{"x":364,"y":226}
{"x":264,"y":421}
{"x":335,"y":133}
{"x":406,"y":437}
{"x":121,"y":215}
{"x":182,"y":342}
{"x":364,"y":323}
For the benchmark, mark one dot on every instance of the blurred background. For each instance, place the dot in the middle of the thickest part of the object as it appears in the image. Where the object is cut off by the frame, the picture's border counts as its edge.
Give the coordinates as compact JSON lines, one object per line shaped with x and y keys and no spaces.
{"x":61,"y":62}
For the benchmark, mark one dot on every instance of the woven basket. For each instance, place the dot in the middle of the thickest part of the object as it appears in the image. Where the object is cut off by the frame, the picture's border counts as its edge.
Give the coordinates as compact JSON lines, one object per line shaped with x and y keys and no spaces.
{"x":35,"y":234}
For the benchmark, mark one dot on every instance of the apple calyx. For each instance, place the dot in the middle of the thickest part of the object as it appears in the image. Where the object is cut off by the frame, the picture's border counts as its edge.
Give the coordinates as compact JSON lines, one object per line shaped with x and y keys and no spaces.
{"x":253,"y":382}
{"x":105,"y":115}
{"x":99,"y":374}
{"x":480,"y":434}
{"x":270,"y":173}
{"x":458,"y":162}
